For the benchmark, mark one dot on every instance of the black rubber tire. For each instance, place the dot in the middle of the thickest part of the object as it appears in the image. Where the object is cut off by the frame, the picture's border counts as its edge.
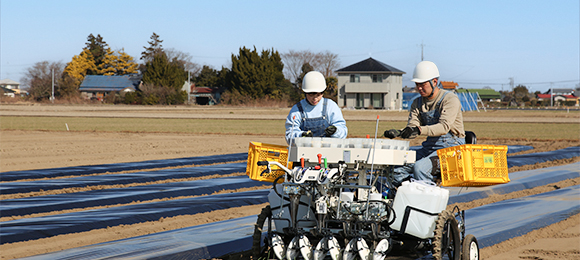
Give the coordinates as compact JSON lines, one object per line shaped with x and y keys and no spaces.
{"x":470,"y":248}
{"x":257,"y":250}
{"x":446,"y":241}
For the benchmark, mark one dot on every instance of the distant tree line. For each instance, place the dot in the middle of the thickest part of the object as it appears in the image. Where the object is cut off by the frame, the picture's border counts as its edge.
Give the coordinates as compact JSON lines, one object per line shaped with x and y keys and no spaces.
{"x":254,"y":75}
{"x":96,"y":58}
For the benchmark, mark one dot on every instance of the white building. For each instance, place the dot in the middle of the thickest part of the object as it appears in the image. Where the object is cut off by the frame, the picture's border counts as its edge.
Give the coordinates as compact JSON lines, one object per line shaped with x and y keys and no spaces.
{"x":370,"y":84}
{"x":11,"y":87}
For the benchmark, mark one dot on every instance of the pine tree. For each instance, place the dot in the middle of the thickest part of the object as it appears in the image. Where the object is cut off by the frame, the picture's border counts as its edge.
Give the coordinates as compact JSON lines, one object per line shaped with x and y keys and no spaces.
{"x":207,"y":77}
{"x":98,"y":49}
{"x":117,"y":64}
{"x":306,"y":67}
{"x":80,"y":66}
{"x":165,"y":80}
{"x":160,"y":72}
{"x":107,"y":67}
{"x":154,"y":48}
{"x":126,"y":64}
{"x":256,"y":75}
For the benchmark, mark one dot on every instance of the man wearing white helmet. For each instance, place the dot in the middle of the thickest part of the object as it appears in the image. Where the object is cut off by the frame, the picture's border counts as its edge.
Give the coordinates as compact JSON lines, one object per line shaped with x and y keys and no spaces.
{"x":315,"y":116}
{"x":437,"y":115}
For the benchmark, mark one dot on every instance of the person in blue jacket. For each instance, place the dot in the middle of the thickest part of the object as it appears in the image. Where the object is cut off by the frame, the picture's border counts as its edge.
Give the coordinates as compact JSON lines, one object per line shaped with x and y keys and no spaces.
{"x":315,"y":116}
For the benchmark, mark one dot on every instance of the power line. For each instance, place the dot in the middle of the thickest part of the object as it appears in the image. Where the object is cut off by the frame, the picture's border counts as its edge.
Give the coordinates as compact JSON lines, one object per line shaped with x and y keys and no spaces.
{"x":563,"y":81}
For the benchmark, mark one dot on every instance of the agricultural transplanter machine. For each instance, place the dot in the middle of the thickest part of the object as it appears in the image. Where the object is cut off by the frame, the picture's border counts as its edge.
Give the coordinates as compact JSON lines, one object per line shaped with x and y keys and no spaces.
{"x":338,"y":201}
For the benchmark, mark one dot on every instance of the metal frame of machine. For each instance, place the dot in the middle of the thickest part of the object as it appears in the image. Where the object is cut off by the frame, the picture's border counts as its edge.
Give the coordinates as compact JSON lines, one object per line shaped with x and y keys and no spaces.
{"x":339,"y":202}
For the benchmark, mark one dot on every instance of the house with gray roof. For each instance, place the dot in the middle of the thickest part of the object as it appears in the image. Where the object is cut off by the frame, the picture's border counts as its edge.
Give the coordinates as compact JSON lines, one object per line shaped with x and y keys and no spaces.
{"x":99,"y":86}
{"x":370,"y":84}
{"x":11,"y":88}
{"x":561,"y":91}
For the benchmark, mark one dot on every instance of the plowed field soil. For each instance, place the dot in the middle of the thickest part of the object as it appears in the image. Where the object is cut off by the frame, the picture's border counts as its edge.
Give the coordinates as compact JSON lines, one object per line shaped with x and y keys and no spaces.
{"x":33,"y":149}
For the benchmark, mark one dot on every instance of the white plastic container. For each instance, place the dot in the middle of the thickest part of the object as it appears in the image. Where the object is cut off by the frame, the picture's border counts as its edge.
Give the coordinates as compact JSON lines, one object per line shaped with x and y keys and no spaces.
{"x":419,"y":195}
{"x":367,"y":143}
{"x":358,"y":142}
{"x":317,"y":142}
{"x":347,"y":196}
{"x":375,"y":197}
{"x":300,"y":141}
{"x":329,"y":142}
{"x":385,"y":144}
{"x":303,"y":141}
{"x":336,"y":142}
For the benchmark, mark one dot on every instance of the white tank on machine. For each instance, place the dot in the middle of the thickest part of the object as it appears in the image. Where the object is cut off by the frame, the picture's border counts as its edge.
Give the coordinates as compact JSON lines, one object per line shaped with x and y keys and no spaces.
{"x":423,"y":196}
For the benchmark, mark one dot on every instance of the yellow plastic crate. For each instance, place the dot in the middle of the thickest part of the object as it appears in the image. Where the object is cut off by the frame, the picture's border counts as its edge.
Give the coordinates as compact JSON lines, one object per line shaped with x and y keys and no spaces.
{"x":266,"y":152}
{"x":473,"y":165}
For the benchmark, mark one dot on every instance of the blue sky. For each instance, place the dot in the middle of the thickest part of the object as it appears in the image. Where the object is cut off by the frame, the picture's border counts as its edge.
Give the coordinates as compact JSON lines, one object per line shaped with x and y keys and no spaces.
{"x":474,"y":43}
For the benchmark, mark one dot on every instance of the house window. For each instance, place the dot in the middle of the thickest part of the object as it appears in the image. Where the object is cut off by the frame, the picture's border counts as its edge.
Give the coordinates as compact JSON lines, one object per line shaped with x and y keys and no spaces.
{"x":377,"y":78}
{"x":397,"y":95}
{"x":354,"y":78}
{"x":377,"y":100}
{"x":360,"y":100}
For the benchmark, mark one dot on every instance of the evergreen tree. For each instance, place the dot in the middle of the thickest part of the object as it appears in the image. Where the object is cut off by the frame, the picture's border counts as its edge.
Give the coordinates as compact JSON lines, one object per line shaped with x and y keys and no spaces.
{"x":98,"y":49}
{"x":107,"y":67}
{"x":306,"y":67}
{"x":117,"y":64}
{"x":125,"y":63}
{"x":331,"y":88}
{"x":67,"y":86}
{"x":164,"y":80}
{"x":521,"y":93}
{"x":80,"y":66}
{"x":154,"y":48}
{"x":256,"y":75}
{"x":207,"y":77}
{"x":163,"y":73}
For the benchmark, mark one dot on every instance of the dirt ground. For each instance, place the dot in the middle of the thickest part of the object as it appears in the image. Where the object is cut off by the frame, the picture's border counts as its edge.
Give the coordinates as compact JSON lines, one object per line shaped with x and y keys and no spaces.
{"x":25,"y":150}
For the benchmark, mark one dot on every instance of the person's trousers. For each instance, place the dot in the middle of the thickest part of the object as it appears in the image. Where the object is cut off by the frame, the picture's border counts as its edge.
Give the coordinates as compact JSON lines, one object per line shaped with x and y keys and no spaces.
{"x":427,"y":162}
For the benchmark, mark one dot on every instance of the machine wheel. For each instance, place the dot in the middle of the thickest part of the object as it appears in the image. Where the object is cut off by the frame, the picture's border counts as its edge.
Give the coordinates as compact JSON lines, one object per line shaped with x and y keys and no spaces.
{"x":446,"y":241}
{"x":257,"y":250}
{"x":470,"y":248}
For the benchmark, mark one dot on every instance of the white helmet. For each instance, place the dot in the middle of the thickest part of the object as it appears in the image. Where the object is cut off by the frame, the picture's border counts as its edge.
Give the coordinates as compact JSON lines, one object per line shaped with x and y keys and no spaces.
{"x":313,"y":82}
{"x":425,"y":71}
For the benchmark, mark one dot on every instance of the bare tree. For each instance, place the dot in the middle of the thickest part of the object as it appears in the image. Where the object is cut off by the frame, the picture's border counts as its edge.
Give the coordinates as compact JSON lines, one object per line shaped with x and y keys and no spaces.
{"x":328,"y":64}
{"x":38,"y":78}
{"x":293,"y":61}
{"x":185,"y":59}
{"x":325,"y":62}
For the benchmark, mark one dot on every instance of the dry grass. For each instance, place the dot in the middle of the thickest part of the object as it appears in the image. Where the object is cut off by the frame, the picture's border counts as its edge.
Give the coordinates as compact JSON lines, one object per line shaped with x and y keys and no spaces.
{"x":569,"y":131}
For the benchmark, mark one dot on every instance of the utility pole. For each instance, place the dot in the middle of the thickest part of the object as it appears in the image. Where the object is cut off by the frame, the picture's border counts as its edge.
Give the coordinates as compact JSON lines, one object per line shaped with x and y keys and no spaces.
{"x":551,"y":94}
{"x":422,"y":45}
{"x":52,"y":95}
{"x":188,"y":86}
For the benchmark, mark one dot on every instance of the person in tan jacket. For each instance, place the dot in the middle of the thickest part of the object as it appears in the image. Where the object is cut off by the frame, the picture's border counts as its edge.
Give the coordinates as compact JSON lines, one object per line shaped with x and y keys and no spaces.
{"x":437,"y":115}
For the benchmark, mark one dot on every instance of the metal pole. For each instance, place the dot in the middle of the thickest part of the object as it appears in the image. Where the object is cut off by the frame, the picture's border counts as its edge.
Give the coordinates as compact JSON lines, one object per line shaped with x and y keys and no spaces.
{"x":422,"y":45}
{"x":551,"y":94}
{"x":52,"y":95}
